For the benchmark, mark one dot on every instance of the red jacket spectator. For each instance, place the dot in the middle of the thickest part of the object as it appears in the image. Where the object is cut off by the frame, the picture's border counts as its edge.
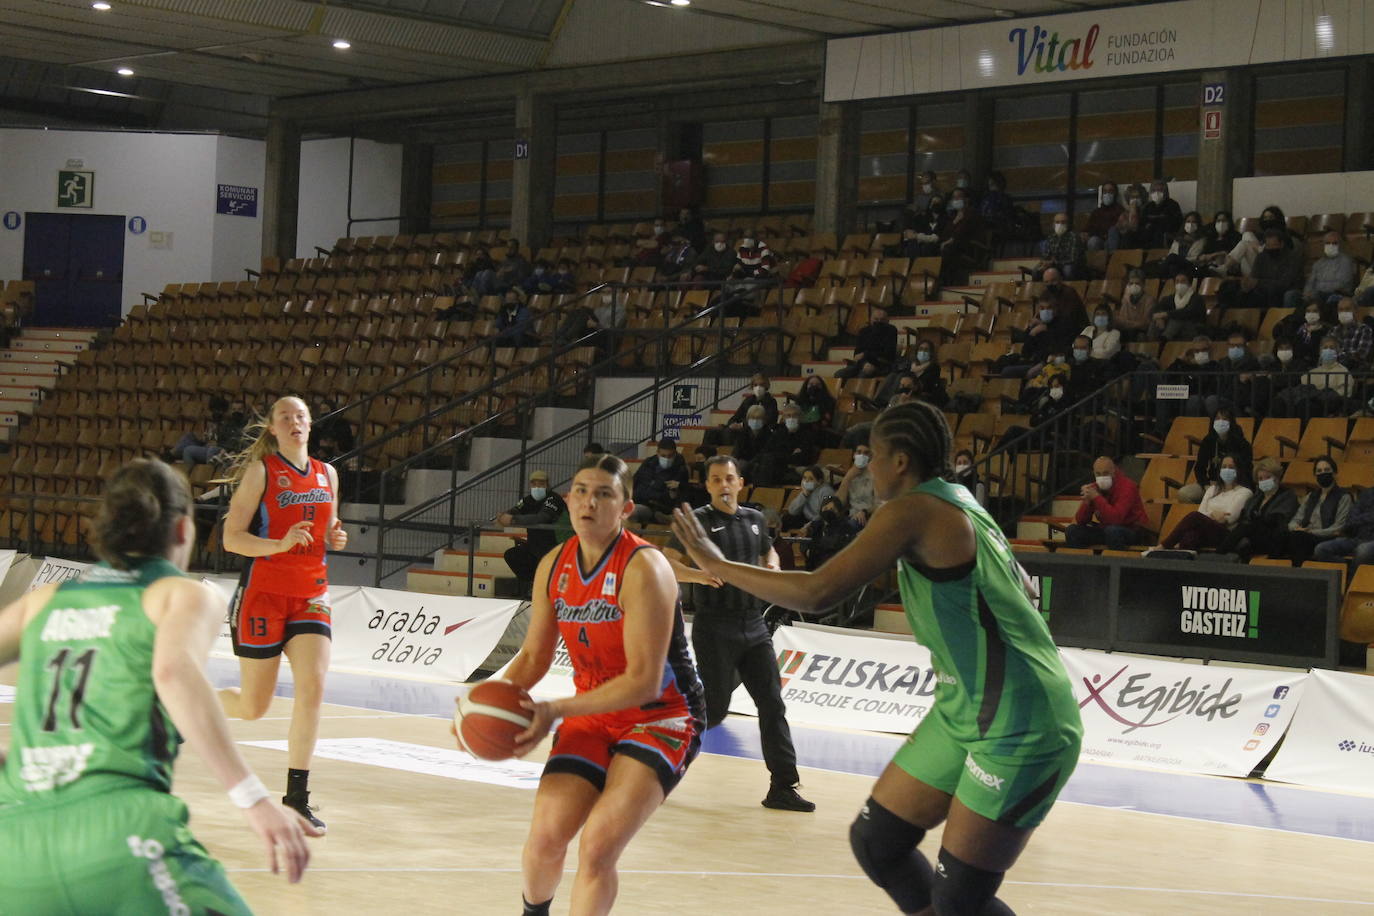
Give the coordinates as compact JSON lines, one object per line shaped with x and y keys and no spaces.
{"x":1120,"y":505}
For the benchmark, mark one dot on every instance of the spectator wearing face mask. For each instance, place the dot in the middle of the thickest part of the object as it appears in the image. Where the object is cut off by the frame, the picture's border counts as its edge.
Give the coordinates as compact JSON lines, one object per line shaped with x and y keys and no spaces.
{"x":1055,"y":366}
{"x":1160,"y":217}
{"x":1103,"y":333}
{"x":1064,"y":249}
{"x":648,"y":249}
{"x":691,"y":227}
{"x":1224,"y":440}
{"x":514,"y":322}
{"x":1053,"y":402}
{"x":1237,"y":378}
{"x":1066,"y":299}
{"x":1263,"y":525}
{"x":856,"y":487}
{"x":1354,"y":339}
{"x":1331,"y":385}
{"x":657,"y":484}
{"x":966,"y":475}
{"x":1181,"y":313}
{"x":926,"y":190}
{"x":1191,"y":238}
{"x":1103,"y":218}
{"x":791,"y":445}
{"x":806,"y":505}
{"x":1218,"y":238}
{"x":1049,"y":334}
{"x":1111,"y":512}
{"x":1277,"y":272}
{"x":678,"y":256}
{"x":1194,"y":368}
{"x":751,"y":439}
{"x":564,"y":279}
{"x":829,"y":534}
{"x":1317,"y":322}
{"x":1127,"y":232}
{"x":923,"y":378}
{"x":816,"y":402}
{"x":1133,"y":318}
{"x":1086,"y":373}
{"x":1356,"y":540}
{"x":541,"y":279}
{"x":875,"y":350}
{"x":997,"y":208}
{"x":757,"y":394}
{"x":539,"y":506}
{"x":1321,"y":516}
{"x":922,"y":238}
{"x":715,"y":262}
{"x":964,"y":241}
{"x":1332,"y":277}
{"x":1218,"y":514}
{"x":513,"y":270}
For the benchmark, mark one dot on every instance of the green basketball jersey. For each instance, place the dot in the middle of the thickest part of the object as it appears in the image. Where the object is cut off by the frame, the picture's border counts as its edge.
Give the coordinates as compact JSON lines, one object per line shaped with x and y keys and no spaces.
{"x":1000,"y":680}
{"x":87,"y":717}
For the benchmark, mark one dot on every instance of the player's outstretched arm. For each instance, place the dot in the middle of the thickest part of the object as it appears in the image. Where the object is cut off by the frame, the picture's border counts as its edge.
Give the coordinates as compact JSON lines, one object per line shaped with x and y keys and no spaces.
{"x":886,"y":537}
{"x":242,"y":506}
{"x":188,"y":615}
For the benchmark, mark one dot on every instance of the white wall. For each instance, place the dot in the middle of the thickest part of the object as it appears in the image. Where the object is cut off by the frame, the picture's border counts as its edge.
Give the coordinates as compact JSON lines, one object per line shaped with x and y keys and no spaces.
{"x":1304,"y":195}
{"x":238,"y":239}
{"x":168,"y":179}
{"x":324,"y":205}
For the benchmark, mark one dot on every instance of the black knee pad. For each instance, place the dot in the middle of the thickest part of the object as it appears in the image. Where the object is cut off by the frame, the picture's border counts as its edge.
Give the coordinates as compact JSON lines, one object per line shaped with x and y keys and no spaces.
{"x":885,"y":847}
{"x":963,"y":890}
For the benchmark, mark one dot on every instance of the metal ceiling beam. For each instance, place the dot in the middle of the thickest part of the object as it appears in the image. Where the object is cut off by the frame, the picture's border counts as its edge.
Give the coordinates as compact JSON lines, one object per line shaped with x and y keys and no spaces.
{"x":701,"y":71}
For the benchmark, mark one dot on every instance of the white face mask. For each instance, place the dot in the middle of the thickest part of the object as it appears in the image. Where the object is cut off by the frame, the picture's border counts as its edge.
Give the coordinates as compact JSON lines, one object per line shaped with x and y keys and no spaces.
{"x":1313,"y":317}
{"x":1190,"y":228}
{"x":961,"y":183}
{"x":746,"y":243}
{"x":1104,"y":483}
{"x":957,"y":203}
{"x":1056,"y":394}
{"x":1331,"y":250}
{"x":1108,"y":199}
{"x":719,"y":246}
{"x":665,"y":463}
{"x":658,"y":229}
{"x":1061,"y":228}
{"x":1157,"y":197}
{"x":927,"y":188}
{"x":808,"y":485}
{"x":1267,"y":484}
{"x":1285,"y":355}
{"x":539,"y":493}
{"x":755,"y":424}
{"x":792,"y":424}
{"x":1347,"y":317}
{"x":1134,"y":289}
{"x":861,"y":461}
{"x":962,"y":468}
{"x":1223,"y":227}
{"x":1202,"y":357}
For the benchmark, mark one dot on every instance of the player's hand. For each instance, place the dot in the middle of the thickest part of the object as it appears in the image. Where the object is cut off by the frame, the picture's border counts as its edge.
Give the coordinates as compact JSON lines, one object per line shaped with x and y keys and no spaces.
{"x":337,"y":538}
{"x":701,"y":577}
{"x":693,"y":539}
{"x":297,"y":534}
{"x":542,"y":716}
{"x":283,"y":832}
{"x":504,"y":519}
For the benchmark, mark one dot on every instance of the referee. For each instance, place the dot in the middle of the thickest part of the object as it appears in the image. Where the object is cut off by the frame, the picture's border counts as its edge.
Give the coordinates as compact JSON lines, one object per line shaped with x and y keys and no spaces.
{"x":729,"y":636}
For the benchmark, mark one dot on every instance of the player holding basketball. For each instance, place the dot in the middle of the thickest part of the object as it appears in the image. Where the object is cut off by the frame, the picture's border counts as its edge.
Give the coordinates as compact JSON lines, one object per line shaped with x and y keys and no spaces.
{"x":282,"y":516}
{"x":635,"y":722}
{"x":88,"y":823}
{"x":1003,"y":734}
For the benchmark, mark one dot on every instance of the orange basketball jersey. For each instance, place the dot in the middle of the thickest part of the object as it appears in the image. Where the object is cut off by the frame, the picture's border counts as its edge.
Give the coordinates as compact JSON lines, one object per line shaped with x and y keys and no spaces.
{"x":292,"y":495}
{"x":591,"y":622}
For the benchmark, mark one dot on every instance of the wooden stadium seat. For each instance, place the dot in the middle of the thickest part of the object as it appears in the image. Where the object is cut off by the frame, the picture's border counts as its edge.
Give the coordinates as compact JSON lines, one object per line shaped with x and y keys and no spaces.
{"x":1357,"y":610}
{"x":1323,"y":436}
{"x":1277,"y":437}
{"x":1162,"y":477}
{"x":1184,"y":437}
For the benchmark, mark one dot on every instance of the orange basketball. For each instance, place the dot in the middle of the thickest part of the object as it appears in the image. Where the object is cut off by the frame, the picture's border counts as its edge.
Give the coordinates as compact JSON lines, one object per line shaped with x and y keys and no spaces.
{"x":489,"y":718}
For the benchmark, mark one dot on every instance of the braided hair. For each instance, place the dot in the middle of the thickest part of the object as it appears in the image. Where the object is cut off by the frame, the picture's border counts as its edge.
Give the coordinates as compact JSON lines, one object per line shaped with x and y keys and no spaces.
{"x":918,"y":429}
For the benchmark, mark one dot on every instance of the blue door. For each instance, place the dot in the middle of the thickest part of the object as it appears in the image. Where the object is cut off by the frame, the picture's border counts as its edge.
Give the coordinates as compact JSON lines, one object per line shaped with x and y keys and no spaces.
{"x":76,"y":263}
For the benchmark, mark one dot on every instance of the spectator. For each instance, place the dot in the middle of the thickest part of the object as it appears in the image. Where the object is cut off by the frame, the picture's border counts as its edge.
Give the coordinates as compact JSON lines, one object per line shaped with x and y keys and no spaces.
{"x":648,"y":249}
{"x":963,"y":244}
{"x":1277,"y":272}
{"x":1103,"y":334}
{"x":1364,"y":293}
{"x":875,"y":350}
{"x":203,"y":445}
{"x":713,"y":264}
{"x":540,"y":506}
{"x":1220,"y":512}
{"x":1224,"y":440}
{"x":1160,"y":218}
{"x":750,"y":440}
{"x":1333,"y":275}
{"x":966,"y":475}
{"x":578,"y":321}
{"x":609,"y":315}
{"x":1357,"y":538}
{"x":1318,"y":321}
{"x":922,"y":238}
{"x":564,"y":278}
{"x":541,"y":280}
{"x":1056,"y":398}
{"x":1181,"y":313}
{"x":1127,"y":231}
{"x":963,"y":180}
{"x":330,"y":436}
{"x":929,"y":190}
{"x":1192,"y":238}
{"x":690,"y":227}
{"x":1086,"y":372}
{"x":997,"y":208}
{"x":1103,"y":218}
{"x":1048,"y":334}
{"x":757,"y":394}
{"x":790,"y":446}
{"x":656,"y":484}
{"x":1064,"y":249}
{"x":856,"y":487}
{"x":806,"y":505}
{"x":1237,"y":383}
{"x":753,"y":259}
{"x":1263,"y":523}
{"x":829,"y":534}
{"x":1066,"y":298}
{"x":592,"y":450}
{"x":924,"y":378}
{"x":1354,"y":339}
{"x":1331,"y":384}
{"x":513,"y":270}
{"x":1133,"y":318}
{"x":514,"y":322}
{"x":678,"y":257}
{"x":1321,"y":516}
{"x":480,"y":272}
{"x":1111,"y":511}
{"x":816,"y":402}
{"x":1218,"y":239}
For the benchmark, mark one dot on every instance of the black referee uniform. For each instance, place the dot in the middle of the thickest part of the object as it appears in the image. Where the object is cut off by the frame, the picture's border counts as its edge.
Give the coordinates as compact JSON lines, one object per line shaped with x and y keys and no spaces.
{"x":731,"y":640}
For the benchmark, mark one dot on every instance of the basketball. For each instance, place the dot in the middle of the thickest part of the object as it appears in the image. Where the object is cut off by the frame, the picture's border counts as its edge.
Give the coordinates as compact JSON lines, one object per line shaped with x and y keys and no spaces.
{"x":489,"y":717}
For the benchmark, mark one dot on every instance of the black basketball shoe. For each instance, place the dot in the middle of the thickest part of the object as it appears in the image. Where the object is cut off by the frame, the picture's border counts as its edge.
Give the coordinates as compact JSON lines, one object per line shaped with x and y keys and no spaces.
{"x":300,"y":803}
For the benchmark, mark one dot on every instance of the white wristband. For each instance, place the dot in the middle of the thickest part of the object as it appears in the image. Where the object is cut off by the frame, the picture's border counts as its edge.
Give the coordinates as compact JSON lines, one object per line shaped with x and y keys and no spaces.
{"x":248,"y":792}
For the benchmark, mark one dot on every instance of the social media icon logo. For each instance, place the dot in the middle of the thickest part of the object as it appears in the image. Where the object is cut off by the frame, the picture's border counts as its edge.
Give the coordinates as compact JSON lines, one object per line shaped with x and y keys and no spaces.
{"x":1272,"y":711}
{"x":1252,"y":744}
{"x":1280,"y":692}
{"x":1261,"y":728}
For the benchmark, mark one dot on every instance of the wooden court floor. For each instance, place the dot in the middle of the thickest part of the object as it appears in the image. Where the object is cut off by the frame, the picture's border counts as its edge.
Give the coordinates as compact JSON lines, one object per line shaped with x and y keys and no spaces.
{"x":415,"y":844}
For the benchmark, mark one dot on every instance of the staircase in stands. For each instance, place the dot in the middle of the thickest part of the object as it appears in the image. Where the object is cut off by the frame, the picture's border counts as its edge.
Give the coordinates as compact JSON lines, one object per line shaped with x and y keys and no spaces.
{"x":30,"y":366}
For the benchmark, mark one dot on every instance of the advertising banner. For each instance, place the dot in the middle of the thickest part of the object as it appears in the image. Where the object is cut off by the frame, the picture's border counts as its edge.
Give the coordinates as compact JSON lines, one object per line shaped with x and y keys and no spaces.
{"x":1174,"y":716}
{"x":55,"y":570}
{"x":1075,"y":598}
{"x":6,"y":559}
{"x":1331,"y":740}
{"x":844,"y":678}
{"x":1284,"y":616}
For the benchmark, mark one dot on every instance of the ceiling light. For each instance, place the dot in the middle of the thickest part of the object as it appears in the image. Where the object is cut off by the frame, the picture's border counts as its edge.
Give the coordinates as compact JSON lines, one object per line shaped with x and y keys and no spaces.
{"x":342,"y":44}
{"x":680,"y":2}
{"x":124,"y":71}
{"x":100,"y":5}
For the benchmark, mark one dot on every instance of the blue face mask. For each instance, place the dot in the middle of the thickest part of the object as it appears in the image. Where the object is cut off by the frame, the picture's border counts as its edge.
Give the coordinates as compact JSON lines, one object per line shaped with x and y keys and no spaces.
{"x":1080,"y":356}
{"x":1222,"y":427}
{"x":1267,"y":485}
{"x":1047,"y":315}
{"x":756,"y":424}
{"x":665,"y":463}
{"x":1228,"y":475}
{"x":1102,"y":321}
{"x":1236,"y":353}
{"x":922,"y":356}
{"x":1328,"y":355}
{"x":538,"y":493}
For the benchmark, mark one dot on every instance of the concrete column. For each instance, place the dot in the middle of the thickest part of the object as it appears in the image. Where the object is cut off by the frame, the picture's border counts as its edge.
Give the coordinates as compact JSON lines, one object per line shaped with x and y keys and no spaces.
{"x":1359,"y":92}
{"x":417,"y":186}
{"x":281,"y":190}
{"x":532,"y":176}
{"x":1220,"y":161}
{"x":837,"y":167}
{"x":978,"y":118}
